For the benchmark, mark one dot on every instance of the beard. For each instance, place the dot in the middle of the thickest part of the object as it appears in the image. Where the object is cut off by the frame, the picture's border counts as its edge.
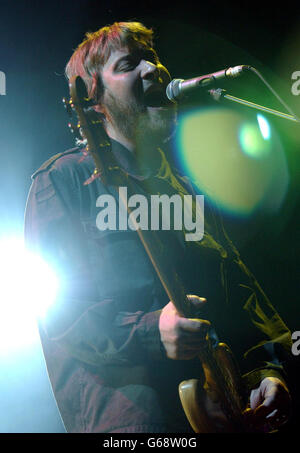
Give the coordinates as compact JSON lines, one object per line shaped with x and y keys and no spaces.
{"x":144,"y":126}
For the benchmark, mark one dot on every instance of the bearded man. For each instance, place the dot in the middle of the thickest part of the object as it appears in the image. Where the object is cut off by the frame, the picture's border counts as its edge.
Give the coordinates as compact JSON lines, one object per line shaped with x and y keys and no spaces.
{"x":116,"y":347}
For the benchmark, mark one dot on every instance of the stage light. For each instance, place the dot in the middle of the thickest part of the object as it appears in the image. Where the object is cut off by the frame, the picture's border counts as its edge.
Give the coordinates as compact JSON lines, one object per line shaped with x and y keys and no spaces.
{"x":28,"y":287}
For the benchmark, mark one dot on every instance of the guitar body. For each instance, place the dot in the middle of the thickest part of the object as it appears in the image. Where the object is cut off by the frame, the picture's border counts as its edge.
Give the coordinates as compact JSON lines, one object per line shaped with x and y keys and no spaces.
{"x":206,"y":406}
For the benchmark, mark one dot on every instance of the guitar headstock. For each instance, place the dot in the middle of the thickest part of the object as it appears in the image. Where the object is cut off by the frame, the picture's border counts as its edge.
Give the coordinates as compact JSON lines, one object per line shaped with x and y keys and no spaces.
{"x":74,"y":127}
{"x":86,"y":126}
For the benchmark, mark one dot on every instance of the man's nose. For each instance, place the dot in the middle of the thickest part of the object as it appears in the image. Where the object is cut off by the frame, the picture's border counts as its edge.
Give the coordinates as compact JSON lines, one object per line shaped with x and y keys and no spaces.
{"x":149,"y":70}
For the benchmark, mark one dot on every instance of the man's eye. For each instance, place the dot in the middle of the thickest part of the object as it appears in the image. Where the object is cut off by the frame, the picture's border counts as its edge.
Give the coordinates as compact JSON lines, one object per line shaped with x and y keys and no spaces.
{"x":127,"y":65}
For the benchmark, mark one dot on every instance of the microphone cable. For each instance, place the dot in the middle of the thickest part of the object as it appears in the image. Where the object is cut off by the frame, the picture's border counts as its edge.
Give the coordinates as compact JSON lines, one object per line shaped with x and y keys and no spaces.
{"x":258,"y":74}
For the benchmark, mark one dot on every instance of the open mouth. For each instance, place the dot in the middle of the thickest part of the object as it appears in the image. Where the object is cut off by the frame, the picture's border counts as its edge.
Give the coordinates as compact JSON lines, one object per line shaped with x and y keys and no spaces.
{"x":156,"y":98}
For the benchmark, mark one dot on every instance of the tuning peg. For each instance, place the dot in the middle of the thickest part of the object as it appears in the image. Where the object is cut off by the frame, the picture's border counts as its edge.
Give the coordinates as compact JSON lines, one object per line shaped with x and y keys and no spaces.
{"x":89,"y":102}
{"x":68,"y":105}
{"x":75,"y":129}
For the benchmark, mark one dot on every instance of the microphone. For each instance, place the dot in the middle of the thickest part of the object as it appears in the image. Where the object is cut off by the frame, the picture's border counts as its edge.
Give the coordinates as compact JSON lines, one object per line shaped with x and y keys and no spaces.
{"x":178,"y":87}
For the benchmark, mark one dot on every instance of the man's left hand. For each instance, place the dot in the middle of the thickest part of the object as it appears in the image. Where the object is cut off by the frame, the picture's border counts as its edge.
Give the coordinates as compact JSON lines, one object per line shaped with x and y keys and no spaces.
{"x":270,"y":405}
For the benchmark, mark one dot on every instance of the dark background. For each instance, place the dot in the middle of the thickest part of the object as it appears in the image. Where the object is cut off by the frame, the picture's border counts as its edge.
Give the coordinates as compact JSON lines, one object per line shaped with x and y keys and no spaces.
{"x":36,"y":40}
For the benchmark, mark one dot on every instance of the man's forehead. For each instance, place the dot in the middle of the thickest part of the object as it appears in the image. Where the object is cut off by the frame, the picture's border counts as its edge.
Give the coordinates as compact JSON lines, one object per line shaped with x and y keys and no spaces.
{"x":117,"y":54}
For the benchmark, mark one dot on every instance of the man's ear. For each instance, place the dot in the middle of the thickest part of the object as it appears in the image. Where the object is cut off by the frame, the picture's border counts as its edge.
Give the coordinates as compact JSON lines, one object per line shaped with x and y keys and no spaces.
{"x":96,"y":93}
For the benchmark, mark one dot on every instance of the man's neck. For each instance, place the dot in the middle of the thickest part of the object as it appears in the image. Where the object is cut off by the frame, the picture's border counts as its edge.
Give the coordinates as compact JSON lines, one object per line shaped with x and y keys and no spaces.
{"x":135,"y":160}
{"x":118,"y":137}
{"x":143,"y":149}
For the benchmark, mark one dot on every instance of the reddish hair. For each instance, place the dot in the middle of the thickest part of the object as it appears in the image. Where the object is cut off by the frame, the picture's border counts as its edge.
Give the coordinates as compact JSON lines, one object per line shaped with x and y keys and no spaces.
{"x":95,"y":50}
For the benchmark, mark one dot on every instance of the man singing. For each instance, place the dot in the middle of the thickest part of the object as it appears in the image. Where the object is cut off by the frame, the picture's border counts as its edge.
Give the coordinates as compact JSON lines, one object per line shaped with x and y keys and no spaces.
{"x":116,"y":347}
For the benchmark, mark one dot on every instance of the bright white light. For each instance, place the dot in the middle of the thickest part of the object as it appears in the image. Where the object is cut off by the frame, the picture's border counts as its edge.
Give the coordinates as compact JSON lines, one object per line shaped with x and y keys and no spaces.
{"x":264,"y":127}
{"x":27,"y":289}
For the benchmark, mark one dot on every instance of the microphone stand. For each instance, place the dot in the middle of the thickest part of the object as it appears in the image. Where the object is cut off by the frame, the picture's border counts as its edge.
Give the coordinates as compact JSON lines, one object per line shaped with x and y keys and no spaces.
{"x":219,"y":94}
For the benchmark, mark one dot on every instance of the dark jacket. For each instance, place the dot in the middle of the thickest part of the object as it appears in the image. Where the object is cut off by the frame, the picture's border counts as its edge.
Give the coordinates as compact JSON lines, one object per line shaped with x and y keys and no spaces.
{"x":100,"y":338}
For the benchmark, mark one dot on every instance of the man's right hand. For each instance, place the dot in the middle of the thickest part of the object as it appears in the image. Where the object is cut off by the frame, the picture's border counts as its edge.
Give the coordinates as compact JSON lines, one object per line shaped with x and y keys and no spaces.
{"x":182,"y":337}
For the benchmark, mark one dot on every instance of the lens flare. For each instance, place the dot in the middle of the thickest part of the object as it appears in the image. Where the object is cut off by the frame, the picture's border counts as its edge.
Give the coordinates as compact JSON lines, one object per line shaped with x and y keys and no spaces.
{"x":254,"y":138}
{"x":234,"y":159}
{"x":264,"y":126}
